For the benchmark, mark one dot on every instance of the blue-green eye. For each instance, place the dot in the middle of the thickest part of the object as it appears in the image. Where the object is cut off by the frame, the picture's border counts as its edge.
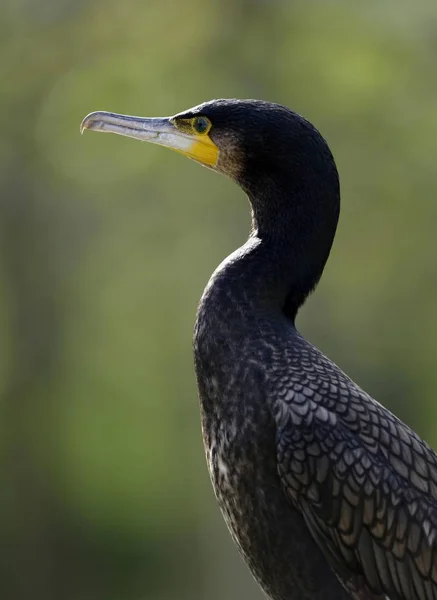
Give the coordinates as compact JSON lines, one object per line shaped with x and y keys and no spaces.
{"x":201,"y":124}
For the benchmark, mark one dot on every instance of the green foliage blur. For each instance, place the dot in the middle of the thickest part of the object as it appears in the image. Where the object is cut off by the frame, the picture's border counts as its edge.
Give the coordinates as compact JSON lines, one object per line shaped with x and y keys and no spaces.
{"x":106,"y":245}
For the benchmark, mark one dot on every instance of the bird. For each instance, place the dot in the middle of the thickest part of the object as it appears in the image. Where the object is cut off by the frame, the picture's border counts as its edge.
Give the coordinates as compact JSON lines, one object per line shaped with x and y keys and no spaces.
{"x":325,"y":492}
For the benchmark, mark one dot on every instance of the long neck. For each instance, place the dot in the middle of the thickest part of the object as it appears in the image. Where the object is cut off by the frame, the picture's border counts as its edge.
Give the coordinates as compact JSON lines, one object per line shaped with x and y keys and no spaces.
{"x":283,"y":259}
{"x":296,"y":232}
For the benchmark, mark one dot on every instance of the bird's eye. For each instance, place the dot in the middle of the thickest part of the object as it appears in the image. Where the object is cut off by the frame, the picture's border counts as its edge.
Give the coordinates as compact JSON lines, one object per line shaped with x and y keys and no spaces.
{"x":201,"y":125}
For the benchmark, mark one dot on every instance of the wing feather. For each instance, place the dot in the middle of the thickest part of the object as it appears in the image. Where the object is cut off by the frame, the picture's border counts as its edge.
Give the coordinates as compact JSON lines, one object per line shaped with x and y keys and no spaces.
{"x":365,"y":483}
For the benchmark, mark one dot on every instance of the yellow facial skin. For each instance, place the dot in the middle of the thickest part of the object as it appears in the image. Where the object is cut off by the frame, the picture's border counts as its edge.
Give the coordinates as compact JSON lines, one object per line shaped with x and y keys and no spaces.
{"x":202,"y":148}
{"x":187,"y":136}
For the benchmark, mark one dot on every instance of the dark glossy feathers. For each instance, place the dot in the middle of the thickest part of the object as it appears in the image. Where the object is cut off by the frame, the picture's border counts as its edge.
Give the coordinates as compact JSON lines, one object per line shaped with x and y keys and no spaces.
{"x":364,"y":481}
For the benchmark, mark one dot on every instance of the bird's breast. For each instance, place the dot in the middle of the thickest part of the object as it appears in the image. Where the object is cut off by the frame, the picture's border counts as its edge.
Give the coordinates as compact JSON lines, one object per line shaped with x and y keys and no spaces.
{"x":241,"y":462}
{"x":235,"y":370}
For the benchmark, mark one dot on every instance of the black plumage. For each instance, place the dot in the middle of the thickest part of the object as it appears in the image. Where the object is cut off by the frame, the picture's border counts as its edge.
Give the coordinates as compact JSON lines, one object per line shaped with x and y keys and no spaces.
{"x":317,"y":482}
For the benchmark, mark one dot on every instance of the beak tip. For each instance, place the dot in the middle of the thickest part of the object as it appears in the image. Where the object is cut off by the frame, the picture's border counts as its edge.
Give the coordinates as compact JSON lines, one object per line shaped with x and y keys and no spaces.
{"x":91,"y":121}
{"x":85,"y":124}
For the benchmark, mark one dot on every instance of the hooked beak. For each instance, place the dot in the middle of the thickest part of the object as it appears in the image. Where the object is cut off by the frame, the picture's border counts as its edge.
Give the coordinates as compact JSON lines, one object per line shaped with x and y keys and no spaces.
{"x":158,"y":130}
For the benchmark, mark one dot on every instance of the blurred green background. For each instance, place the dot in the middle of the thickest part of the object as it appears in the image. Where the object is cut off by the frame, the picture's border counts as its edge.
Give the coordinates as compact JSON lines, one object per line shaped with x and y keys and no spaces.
{"x":106,"y":245}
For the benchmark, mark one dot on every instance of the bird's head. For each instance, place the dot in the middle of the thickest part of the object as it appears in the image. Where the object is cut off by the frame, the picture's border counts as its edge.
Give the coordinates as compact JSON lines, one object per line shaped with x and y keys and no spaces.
{"x":251,"y":141}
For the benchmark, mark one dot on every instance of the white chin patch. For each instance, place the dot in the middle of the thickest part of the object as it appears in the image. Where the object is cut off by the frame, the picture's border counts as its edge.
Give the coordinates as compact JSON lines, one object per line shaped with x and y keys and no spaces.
{"x":177,"y":142}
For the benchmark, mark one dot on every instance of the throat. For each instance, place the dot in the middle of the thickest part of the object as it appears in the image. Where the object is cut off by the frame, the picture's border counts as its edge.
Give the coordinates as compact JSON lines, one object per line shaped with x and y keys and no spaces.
{"x":263,"y":277}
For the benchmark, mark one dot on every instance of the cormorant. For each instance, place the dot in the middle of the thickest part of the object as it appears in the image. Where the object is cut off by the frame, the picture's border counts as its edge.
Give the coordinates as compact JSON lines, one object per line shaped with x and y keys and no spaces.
{"x":317,"y":482}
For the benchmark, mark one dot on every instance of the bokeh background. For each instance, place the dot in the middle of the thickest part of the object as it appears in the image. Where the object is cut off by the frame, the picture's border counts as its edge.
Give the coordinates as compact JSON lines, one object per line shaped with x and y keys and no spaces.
{"x":106,"y":245}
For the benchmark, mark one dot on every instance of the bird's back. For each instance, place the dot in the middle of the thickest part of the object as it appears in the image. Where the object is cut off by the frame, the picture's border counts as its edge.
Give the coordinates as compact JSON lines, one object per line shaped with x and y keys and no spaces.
{"x":364,"y":481}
